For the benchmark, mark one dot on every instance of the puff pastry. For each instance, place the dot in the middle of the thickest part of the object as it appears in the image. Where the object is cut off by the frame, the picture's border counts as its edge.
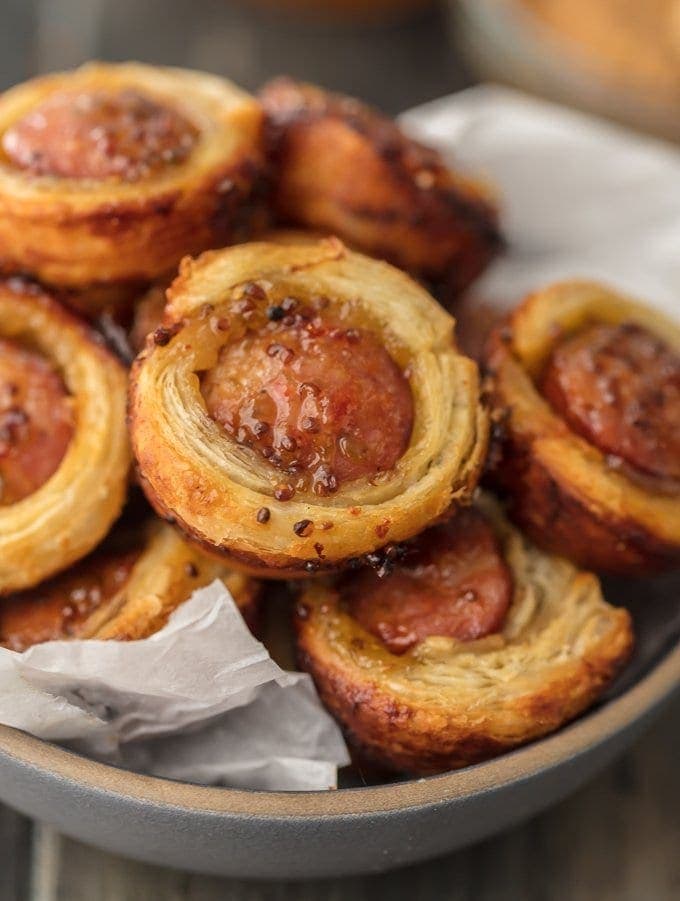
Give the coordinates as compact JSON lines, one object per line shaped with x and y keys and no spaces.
{"x":590,"y":473}
{"x":147,"y":316}
{"x":343,"y":167}
{"x":325,"y":340}
{"x":47,"y":524}
{"x":124,"y":593}
{"x":444,"y":702}
{"x":150,"y":306}
{"x":109,"y":174}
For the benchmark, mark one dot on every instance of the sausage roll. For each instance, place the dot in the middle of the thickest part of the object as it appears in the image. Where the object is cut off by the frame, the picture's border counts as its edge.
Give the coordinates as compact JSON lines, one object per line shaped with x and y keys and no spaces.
{"x":343,"y":167}
{"x":475,"y":643}
{"x":64,"y":450}
{"x":124,"y":591}
{"x":302,"y":406}
{"x":111,"y":173}
{"x":586,"y":389}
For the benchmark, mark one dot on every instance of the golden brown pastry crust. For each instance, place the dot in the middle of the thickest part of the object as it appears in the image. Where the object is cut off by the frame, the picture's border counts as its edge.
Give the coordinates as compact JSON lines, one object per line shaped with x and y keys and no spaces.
{"x":163,"y":577}
{"x":150,"y":305}
{"x":194,"y":473}
{"x":89,"y":235}
{"x":125,"y":590}
{"x":147,"y":317}
{"x":445,"y":704}
{"x":563,"y":491}
{"x":68,"y":515}
{"x":343,"y":167}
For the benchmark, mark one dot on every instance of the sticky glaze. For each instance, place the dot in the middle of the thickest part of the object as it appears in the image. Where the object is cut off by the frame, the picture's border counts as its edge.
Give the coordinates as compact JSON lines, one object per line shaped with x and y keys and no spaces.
{"x":99,"y":135}
{"x":320,"y":400}
{"x":619,"y":388}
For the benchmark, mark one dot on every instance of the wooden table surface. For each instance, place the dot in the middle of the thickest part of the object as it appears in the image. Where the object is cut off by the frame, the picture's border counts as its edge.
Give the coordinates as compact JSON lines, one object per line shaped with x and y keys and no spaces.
{"x":619,"y":837}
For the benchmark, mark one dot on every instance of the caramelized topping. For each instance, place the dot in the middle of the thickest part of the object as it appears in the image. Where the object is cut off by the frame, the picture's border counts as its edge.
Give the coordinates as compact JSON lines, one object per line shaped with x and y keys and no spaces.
{"x":99,"y":134}
{"x":618,"y":386}
{"x":321,"y":401}
{"x":453,"y":582}
{"x":56,"y":609}
{"x":36,"y":421}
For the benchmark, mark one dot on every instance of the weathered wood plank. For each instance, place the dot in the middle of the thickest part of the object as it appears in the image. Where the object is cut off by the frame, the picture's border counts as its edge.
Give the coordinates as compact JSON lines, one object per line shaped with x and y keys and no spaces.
{"x":17,"y":21}
{"x":15,"y":841}
{"x":394,"y":66}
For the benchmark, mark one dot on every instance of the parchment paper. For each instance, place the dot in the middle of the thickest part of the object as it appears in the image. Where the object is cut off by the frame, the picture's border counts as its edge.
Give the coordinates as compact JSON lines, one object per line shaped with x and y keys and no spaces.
{"x":580,"y":197}
{"x":201,"y":701}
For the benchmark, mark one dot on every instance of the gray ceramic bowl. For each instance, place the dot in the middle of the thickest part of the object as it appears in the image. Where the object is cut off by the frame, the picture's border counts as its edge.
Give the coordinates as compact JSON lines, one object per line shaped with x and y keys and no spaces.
{"x":356,"y":830}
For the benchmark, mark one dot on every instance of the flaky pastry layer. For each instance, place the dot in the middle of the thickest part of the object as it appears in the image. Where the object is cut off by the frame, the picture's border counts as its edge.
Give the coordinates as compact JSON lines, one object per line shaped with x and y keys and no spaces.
{"x":194,"y":473}
{"x":165,"y":575}
{"x":88,"y":234}
{"x":569,"y":496}
{"x":445,"y":704}
{"x":67,"y":516}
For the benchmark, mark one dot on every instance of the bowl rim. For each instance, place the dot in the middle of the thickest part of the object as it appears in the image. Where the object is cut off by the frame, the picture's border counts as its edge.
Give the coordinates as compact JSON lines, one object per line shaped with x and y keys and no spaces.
{"x":657,"y":685}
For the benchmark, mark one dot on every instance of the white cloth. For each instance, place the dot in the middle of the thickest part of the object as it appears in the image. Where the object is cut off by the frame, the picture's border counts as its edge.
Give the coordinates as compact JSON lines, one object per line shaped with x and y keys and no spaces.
{"x":580,"y":198}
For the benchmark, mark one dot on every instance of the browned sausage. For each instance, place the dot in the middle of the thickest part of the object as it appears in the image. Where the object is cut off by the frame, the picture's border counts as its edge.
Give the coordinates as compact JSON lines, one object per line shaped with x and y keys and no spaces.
{"x":56,"y":609}
{"x":453,"y":582}
{"x":324,"y":403}
{"x":36,"y":421}
{"x":345,"y":168}
{"x":618,"y":386}
{"x":99,"y":135}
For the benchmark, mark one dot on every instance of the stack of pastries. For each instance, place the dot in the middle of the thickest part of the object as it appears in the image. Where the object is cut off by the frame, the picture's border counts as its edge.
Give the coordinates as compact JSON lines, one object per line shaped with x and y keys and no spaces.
{"x":298,"y":409}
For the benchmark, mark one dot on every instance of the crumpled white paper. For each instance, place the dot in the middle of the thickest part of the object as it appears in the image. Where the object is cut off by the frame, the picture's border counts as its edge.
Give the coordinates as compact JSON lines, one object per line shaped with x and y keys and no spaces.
{"x":201,"y":700}
{"x":581,"y":198}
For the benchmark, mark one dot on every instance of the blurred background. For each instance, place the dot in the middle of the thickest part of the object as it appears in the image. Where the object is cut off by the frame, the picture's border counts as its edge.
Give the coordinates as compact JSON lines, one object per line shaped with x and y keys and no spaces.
{"x":394,"y":53}
{"x":620,"y":58}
